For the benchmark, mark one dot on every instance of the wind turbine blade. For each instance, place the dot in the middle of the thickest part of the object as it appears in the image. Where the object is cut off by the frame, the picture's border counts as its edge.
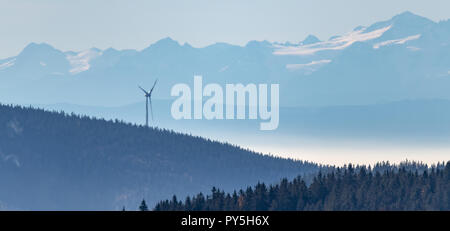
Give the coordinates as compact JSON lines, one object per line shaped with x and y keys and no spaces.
{"x":143,"y":90}
{"x":154,"y":85}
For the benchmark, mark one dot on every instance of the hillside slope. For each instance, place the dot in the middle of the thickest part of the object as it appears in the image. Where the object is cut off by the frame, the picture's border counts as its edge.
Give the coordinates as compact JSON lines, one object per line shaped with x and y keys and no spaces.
{"x":53,"y":161}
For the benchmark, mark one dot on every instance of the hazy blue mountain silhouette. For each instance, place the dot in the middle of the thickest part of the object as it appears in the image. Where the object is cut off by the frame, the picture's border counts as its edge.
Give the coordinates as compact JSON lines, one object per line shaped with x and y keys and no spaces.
{"x":401,"y":122}
{"x":408,"y":61}
{"x":310,"y":39}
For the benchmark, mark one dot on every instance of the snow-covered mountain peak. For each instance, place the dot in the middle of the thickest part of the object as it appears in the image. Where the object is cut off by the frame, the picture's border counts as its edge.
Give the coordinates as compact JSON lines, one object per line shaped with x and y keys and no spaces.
{"x":79,"y":62}
{"x":337,"y":43}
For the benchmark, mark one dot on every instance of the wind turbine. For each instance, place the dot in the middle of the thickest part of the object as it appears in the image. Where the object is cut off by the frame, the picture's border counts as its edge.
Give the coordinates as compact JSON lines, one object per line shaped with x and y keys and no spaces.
{"x":148,"y":98}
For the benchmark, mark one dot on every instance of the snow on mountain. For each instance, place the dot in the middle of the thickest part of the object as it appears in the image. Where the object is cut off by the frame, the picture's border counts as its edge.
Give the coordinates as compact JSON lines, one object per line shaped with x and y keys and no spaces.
{"x":403,"y":25}
{"x":7,"y":63}
{"x":396,"y":41}
{"x":337,"y":43}
{"x":81,"y":61}
{"x":308,"y":67}
{"x":398,"y":30}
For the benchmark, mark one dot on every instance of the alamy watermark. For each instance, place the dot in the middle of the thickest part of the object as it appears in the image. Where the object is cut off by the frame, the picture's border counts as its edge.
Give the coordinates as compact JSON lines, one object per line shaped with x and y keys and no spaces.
{"x":213,"y":107}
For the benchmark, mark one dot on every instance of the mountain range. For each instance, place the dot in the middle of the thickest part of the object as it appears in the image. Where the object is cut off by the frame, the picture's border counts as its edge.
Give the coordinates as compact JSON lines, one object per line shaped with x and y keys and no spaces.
{"x":406,"y":57}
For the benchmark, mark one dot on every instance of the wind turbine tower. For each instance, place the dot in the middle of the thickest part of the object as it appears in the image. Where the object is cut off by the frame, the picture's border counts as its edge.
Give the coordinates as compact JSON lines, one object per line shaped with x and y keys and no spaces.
{"x":148,"y":99}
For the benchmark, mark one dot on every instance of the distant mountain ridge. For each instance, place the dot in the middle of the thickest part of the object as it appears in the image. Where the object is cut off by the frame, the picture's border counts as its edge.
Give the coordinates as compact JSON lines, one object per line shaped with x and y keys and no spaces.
{"x":406,"y":57}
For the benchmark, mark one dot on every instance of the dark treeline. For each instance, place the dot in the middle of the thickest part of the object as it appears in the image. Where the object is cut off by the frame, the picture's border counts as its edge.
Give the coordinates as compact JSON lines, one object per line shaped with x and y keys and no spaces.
{"x":409,"y":186}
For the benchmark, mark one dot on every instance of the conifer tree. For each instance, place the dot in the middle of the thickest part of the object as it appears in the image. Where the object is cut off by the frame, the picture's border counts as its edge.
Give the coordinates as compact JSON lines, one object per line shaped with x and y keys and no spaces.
{"x":143,"y":206}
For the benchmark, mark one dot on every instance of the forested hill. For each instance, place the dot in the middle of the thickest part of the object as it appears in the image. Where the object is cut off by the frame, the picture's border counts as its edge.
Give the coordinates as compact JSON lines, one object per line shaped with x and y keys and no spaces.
{"x":343,"y":189}
{"x":50,"y":160}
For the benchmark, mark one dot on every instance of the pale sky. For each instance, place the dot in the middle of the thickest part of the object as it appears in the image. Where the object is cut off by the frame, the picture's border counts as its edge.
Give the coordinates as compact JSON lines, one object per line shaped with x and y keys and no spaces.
{"x":135,"y":24}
